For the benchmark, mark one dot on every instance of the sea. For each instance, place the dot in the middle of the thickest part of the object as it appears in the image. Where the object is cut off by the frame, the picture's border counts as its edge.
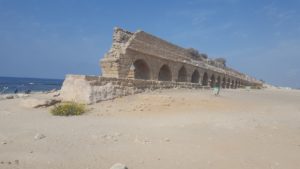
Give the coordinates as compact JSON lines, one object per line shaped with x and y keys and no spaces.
{"x":22,"y":85}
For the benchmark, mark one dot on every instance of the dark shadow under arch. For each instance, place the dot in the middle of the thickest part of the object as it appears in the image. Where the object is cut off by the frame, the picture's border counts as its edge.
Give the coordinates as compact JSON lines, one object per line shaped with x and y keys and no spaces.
{"x":224,"y":82}
{"x":228,"y":83}
{"x":141,"y":70}
{"x":182,"y":77}
{"x":164,"y":73}
{"x":205,"y":79}
{"x":232,"y":84}
{"x":218,"y":81}
{"x":195,"y":77}
{"x":212,"y":80}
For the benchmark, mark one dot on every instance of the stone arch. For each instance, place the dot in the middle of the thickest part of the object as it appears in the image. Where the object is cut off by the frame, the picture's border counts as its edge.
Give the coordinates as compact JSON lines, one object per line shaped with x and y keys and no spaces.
{"x":165,"y":73}
{"x":195,"y":77}
{"x":205,"y":79}
{"x":228,"y":83}
{"x":232,"y":84}
{"x":141,"y":70}
{"x":218,"y":81}
{"x":212,"y":80}
{"x":235,"y":84}
{"x":182,"y":75}
{"x":223,"y":82}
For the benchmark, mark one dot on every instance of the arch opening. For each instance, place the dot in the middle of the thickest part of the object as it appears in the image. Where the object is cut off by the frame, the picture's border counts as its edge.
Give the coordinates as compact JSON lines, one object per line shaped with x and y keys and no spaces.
{"x":195,"y":77}
{"x":218,"y":81}
{"x":205,"y":79}
{"x":164,"y":73}
{"x":224,"y":82}
{"x":212,"y":80}
{"x":232,"y":84}
{"x":141,"y":70}
{"x":228,"y":83}
{"x":235,"y":84}
{"x":182,"y":77}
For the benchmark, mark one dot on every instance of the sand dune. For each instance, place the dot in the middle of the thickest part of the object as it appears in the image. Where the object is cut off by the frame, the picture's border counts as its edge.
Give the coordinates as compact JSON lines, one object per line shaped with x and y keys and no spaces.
{"x":175,"y":128}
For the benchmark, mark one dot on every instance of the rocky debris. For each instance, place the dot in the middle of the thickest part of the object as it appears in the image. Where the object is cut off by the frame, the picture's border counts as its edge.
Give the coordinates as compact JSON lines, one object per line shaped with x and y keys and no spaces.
{"x":111,"y":137}
{"x":56,"y":95}
{"x":119,"y":166}
{"x":10,"y":163}
{"x":6,"y":141}
{"x":167,"y":140}
{"x":47,"y":103}
{"x":142,"y":141}
{"x":39,"y":136}
{"x":50,"y":91}
{"x":9,"y":97}
{"x":37,"y":103}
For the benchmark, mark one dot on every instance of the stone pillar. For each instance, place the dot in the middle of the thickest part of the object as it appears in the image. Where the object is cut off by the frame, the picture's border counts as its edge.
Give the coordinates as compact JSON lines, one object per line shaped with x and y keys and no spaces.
{"x":131,"y":72}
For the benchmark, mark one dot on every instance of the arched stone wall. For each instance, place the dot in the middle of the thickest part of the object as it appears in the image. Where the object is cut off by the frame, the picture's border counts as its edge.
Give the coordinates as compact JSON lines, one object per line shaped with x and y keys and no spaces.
{"x":128,"y":47}
{"x":143,"y":66}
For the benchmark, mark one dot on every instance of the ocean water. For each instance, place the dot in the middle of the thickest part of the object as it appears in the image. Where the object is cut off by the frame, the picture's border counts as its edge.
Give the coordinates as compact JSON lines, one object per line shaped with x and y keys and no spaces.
{"x":11,"y":84}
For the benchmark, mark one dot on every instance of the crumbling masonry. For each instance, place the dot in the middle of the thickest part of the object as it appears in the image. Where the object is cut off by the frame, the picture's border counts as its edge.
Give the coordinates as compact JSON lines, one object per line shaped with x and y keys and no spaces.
{"x":140,"y":61}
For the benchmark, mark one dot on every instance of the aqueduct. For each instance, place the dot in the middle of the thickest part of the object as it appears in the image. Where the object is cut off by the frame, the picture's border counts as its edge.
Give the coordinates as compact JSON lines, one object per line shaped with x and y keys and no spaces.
{"x":140,"y":55}
{"x":139,"y":61}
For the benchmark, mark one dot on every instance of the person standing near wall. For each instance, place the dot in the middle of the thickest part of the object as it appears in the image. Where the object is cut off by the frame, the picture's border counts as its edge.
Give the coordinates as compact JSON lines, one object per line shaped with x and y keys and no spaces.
{"x":216,"y":89}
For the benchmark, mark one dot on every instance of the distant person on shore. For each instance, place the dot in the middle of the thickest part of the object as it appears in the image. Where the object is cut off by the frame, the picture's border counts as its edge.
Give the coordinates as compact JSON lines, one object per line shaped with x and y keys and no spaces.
{"x":216,"y":90}
{"x":16,"y":91}
{"x":28,"y":91}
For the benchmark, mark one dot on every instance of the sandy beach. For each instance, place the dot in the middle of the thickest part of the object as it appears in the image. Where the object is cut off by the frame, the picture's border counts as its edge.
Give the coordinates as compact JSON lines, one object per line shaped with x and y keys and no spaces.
{"x":163,"y":129}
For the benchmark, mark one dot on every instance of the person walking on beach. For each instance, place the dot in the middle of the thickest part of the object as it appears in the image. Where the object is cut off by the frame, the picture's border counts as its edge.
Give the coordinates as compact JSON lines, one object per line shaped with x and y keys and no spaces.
{"x":216,"y":90}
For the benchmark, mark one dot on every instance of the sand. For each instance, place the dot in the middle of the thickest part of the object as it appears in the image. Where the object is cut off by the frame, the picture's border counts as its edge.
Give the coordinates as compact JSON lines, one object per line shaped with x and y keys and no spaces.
{"x":167,"y":129}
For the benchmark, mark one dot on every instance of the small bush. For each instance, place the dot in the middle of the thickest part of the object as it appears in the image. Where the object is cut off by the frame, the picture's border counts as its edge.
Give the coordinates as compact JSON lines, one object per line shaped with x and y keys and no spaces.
{"x":68,"y":109}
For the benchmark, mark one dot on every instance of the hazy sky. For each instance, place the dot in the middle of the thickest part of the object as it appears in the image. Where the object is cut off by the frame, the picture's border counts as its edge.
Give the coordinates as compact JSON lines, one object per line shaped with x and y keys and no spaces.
{"x":51,"y":38}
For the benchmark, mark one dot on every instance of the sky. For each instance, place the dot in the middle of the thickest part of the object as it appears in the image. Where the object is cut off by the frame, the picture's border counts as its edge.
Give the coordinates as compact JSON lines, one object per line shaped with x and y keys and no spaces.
{"x":52,"y":38}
